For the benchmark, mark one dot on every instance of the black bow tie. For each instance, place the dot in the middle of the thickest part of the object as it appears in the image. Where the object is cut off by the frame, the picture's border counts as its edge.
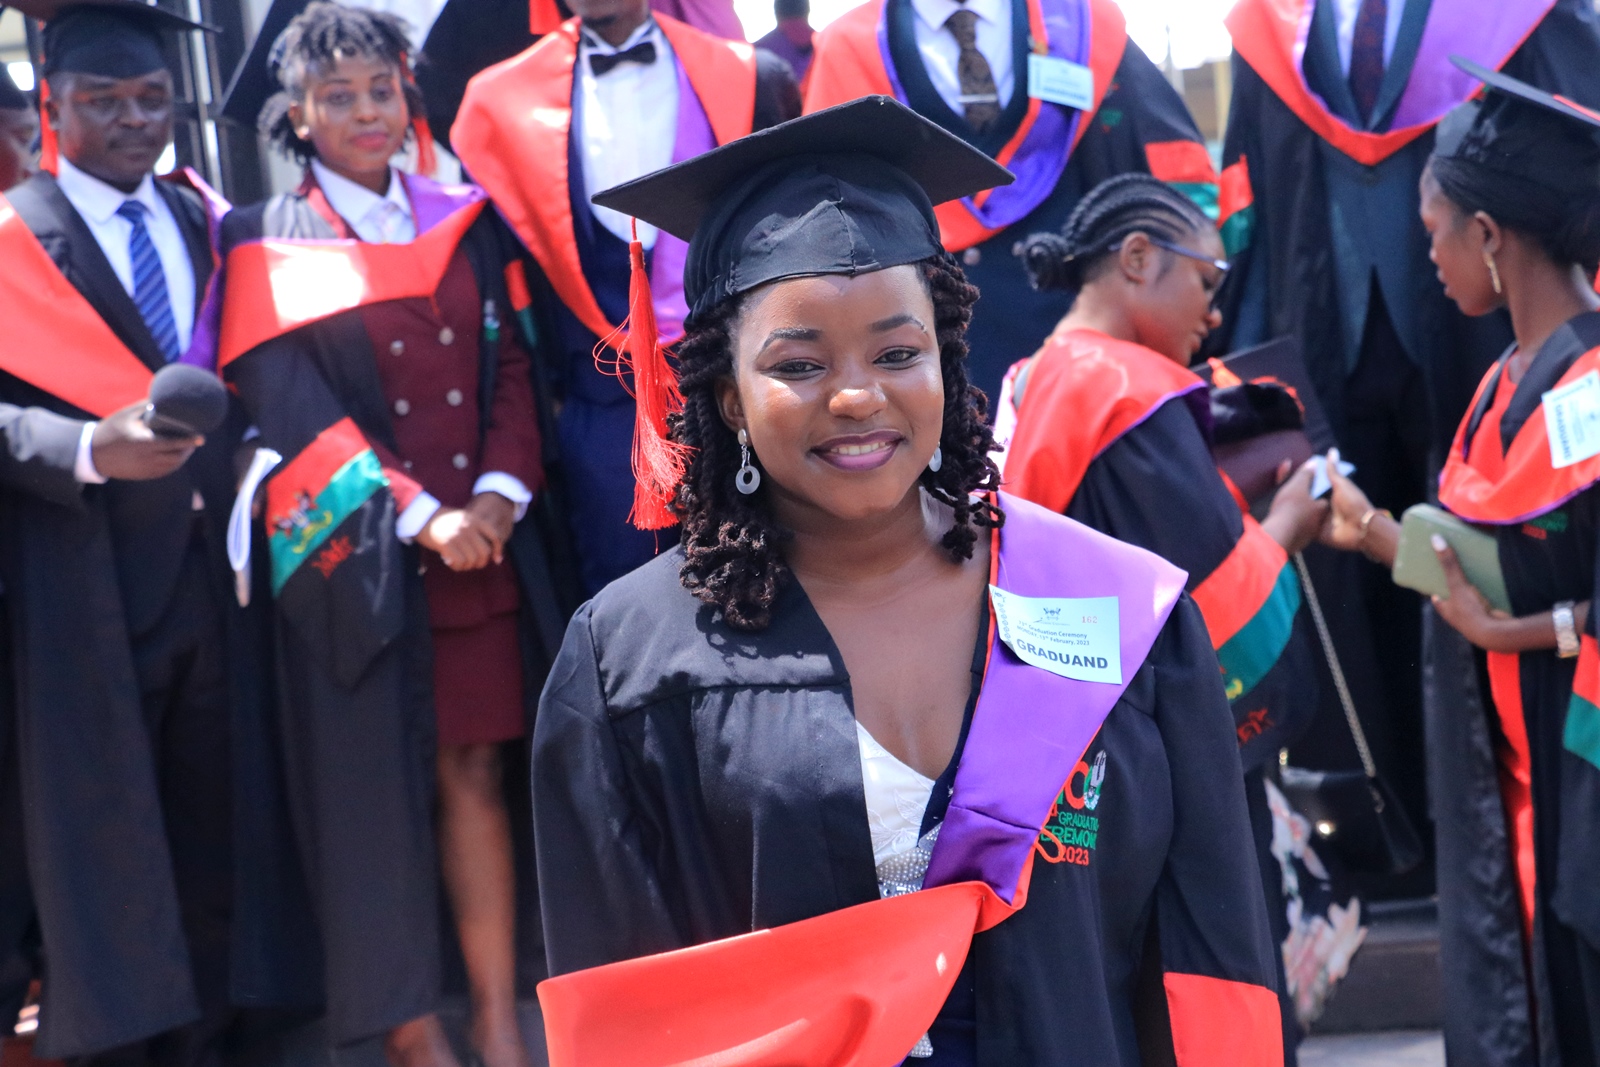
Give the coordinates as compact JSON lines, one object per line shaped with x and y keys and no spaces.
{"x":601,"y":62}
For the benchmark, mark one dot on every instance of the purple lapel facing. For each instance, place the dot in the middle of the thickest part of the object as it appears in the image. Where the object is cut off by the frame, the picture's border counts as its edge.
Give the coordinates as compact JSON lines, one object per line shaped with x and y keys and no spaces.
{"x":202,"y":351}
{"x":432,"y":203}
{"x":667,"y":259}
{"x":1030,"y":726}
{"x":1041,"y":158}
{"x":1485,"y":33}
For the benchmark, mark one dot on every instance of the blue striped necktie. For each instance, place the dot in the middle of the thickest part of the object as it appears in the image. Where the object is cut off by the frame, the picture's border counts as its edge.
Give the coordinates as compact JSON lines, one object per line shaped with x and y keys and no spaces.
{"x":150,"y":282}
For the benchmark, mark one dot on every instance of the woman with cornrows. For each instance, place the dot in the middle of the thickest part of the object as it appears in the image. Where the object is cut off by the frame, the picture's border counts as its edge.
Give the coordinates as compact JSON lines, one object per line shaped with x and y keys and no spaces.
{"x":1511,"y":201}
{"x":1107,"y":425}
{"x":966,"y":764}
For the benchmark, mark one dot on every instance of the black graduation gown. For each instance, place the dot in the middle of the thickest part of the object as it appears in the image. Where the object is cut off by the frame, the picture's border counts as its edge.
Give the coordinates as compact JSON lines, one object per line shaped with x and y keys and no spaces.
{"x":692,"y":782}
{"x":1547,"y":558}
{"x":38,"y":450}
{"x":83,"y":568}
{"x":1298,"y":272}
{"x":358,"y":728}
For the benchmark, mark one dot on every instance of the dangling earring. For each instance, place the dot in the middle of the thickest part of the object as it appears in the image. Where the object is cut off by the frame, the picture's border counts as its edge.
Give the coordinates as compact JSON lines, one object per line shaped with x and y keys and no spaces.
{"x":1494,"y":272}
{"x":748,"y":480}
{"x":937,"y":462}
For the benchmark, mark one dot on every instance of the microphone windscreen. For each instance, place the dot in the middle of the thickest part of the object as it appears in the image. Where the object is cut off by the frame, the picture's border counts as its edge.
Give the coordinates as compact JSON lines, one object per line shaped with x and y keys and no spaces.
{"x":191,"y":397}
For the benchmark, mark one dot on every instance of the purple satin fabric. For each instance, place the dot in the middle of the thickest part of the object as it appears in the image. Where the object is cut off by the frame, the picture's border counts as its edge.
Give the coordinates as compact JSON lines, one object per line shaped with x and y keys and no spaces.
{"x":1030,"y":726}
{"x":694,"y":137}
{"x":1484,"y":33}
{"x":1042,"y":157}
{"x":432,"y":202}
{"x":202,"y":350}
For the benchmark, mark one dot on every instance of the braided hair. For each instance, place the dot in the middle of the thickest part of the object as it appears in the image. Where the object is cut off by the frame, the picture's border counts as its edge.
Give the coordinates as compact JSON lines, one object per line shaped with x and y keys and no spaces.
{"x":319,"y":37}
{"x":733,"y":549}
{"x":1112,"y":210}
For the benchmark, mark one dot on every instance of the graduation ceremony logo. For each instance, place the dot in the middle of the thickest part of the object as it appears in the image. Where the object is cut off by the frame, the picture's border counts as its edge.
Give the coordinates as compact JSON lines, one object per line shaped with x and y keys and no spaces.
{"x":1071,"y":832}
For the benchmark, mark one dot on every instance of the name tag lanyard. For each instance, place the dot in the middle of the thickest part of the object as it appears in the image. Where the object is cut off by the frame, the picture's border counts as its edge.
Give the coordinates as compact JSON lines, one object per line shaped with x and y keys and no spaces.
{"x":1058,"y":81}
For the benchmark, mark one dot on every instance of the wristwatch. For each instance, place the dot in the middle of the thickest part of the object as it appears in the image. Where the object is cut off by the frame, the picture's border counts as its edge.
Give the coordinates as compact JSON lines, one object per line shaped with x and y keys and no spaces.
{"x":1566,"y":629}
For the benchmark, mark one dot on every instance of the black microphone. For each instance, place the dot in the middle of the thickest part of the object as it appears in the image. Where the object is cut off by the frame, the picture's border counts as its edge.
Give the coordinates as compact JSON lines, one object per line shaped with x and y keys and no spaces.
{"x":185,"y":401}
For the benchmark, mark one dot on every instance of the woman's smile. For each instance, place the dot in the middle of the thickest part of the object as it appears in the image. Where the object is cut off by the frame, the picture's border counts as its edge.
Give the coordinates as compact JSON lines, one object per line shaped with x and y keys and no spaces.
{"x":860,"y":452}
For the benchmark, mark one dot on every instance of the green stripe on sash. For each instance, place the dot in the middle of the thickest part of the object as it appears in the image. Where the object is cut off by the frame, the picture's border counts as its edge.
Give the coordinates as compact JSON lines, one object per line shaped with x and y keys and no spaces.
{"x":351,"y":486}
{"x":1204,"y":194}
{"x":1236,"y":230}
{"x":1254,"y":650}
{"x":1581,"y":737}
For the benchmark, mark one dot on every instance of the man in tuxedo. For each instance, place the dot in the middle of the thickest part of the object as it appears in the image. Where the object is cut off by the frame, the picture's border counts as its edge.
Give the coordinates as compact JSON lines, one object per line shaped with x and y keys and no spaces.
{"x":611,"y":95}
{"x":113,"y":559}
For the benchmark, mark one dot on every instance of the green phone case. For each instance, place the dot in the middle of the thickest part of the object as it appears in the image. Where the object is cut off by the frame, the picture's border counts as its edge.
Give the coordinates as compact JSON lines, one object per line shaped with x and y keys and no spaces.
{"x":1416,"y":566}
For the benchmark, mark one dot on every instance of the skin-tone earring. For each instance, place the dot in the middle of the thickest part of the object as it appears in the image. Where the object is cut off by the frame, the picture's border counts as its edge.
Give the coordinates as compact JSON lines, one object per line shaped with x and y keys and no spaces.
{"x":1494,"y":272}
{"x":748,"y":480}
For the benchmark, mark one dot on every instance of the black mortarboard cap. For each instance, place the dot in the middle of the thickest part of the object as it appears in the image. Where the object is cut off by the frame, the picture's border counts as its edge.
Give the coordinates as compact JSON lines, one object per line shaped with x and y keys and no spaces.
{"x":12,"y":98}
{"x":847,"y":190}
{"x":254,"y":80}
{"x":469,"y":36}
{"x":112,"y":38}
{"x":1520,"y":130}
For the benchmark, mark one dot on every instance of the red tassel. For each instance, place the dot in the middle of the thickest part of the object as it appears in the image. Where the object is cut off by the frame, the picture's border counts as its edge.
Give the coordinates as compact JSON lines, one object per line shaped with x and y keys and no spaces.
{"x":49,"y":152}
{"x":658,"y":464}
{"x":427,"y":158}
{"x":543,"y":17}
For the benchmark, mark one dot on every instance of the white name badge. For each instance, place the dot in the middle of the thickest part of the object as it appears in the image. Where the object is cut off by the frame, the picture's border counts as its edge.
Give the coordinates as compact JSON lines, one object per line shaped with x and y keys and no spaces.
{"x":1060,"y":81}
{"x":1572,"y":420}
{"x":1074,"y":637}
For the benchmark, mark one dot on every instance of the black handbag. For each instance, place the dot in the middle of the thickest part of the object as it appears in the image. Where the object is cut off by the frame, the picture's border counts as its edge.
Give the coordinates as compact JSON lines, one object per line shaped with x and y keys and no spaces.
{"x":1354,"y":813}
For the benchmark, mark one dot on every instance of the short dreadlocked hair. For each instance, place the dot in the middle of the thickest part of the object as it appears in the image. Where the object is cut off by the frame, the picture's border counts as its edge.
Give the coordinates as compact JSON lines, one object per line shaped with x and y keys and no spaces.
{"x":319,"y":37}
{"x":1103,"y":219}
{"x":733,"y":548}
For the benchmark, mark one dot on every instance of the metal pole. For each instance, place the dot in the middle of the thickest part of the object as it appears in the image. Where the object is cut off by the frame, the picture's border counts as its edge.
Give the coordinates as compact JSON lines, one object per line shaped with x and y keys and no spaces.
{"x":200,"y":73}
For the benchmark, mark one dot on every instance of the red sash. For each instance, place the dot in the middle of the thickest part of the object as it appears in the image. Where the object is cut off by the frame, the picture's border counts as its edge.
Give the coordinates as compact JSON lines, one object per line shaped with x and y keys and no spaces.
{"x":54,"y":338}
{"x":1529,"y":485}
{"x":849,"y":64}
{"x":1084,"y":390}
{"x":276,"y":286}
{"x":513,"y":129}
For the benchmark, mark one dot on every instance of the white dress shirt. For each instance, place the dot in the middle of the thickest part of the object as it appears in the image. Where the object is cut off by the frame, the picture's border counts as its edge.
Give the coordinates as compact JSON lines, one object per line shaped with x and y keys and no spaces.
{"x":1345,"y":12}
{"x":97,"y":203}
{"x":940,"y":52}
{"x":386,"y":220}
{"x":627,"y":120}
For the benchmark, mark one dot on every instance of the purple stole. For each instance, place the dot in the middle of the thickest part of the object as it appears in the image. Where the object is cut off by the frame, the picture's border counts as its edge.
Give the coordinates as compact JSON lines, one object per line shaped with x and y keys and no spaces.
{"x":1041,"y":157}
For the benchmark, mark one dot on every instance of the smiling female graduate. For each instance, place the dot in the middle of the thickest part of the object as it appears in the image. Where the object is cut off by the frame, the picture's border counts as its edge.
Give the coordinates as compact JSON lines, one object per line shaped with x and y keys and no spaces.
{"x":852,"y":710}
{"x":1511,"y":202}
{"x":362,"y":331}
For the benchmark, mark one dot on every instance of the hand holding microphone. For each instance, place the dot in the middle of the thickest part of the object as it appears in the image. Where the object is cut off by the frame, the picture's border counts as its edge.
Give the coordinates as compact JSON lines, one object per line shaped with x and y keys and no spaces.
{"x":154,"y":437}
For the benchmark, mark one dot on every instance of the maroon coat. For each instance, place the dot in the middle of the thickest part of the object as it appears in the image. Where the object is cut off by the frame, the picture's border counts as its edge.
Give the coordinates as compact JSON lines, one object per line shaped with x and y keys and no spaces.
{"x":429,"y":372}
